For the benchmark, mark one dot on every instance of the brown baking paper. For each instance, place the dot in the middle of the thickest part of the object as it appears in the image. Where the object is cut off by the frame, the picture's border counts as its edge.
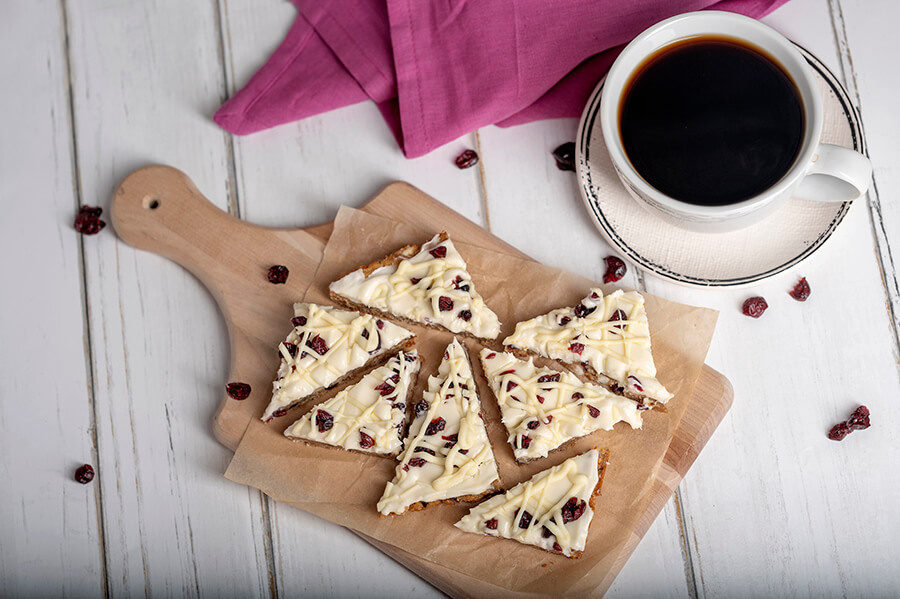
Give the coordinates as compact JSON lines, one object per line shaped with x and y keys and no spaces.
{"x":344,"y":487}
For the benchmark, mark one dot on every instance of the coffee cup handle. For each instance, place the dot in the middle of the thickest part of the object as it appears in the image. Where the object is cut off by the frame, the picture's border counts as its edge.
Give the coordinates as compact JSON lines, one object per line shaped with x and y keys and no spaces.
{"x":836,"y":174}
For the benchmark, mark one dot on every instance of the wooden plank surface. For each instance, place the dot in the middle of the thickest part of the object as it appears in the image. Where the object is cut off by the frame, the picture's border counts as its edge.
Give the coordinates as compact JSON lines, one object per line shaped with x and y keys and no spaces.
{"x":146,"y":78}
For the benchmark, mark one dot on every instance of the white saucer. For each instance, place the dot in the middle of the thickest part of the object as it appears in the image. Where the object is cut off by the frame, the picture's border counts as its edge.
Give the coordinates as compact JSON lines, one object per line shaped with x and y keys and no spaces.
{"x":743,"y":257}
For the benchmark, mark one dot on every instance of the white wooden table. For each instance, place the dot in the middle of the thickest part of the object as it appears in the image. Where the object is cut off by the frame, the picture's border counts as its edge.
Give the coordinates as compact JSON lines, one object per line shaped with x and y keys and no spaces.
{"x":117,"y":358}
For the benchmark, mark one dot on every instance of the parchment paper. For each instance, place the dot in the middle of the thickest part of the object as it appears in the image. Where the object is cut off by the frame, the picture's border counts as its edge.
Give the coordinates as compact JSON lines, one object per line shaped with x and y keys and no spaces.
{"x":343,"y":487}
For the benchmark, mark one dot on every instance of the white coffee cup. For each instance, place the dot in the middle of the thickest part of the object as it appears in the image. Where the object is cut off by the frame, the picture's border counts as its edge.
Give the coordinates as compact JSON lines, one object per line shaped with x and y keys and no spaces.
{"x":821,"y":172}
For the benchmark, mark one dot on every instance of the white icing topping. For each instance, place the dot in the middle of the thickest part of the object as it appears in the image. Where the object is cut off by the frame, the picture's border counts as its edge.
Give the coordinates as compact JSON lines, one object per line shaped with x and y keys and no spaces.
{"x":429,"y":287}
{"x":618,"y":349}
{"x":547,"y":499}
{"x":543,"y":408}
{"x":448,"y":453}
{"x":369,"y":416}
{"x":325,"y":344}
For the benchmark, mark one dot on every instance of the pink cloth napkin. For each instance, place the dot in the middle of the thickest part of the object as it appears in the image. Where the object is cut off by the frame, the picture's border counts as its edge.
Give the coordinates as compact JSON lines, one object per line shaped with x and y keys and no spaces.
{"x":439,"y":69}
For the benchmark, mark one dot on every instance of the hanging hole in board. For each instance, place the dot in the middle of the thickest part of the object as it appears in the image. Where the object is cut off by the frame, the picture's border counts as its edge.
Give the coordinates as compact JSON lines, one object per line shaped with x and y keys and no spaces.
{"x":151,"y":202}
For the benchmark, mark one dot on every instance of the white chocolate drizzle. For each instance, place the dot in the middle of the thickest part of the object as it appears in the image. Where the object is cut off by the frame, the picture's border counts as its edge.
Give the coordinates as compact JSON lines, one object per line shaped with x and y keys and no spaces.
{"x":544,"y":408}
{"x":447,"y":453}
{"x":431,"y":287}
{"x":551,"y":510}
{"x":325,"y":344}
{"x":609,"y":334}
{"x":369,"y":416}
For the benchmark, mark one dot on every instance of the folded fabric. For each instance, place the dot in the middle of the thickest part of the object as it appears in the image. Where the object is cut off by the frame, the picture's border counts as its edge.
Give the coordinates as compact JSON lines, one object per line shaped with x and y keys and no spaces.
{"x":439,"y":69}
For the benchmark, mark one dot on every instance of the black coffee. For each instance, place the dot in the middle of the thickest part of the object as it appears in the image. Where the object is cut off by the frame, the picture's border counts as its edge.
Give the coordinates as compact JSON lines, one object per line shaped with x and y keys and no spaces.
{"x":710,"y":121}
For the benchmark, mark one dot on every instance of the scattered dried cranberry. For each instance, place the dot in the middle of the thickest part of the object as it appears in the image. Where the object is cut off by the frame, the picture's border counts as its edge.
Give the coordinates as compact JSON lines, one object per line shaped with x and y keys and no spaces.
{"x":439,"y":252}
{"x":84,"y":474}
{"x":278,"y":413}
{"x":416,"y":462}
{"x":385,"y":388}
{"x":549,"y":378}
{"x":324,"y":421}
{"x":534,"y":424}
{"x":576,"y":348}
{"x":754,"y":307}
{"x":510,"y":385}
{"x":510,"y":371}
{"x":618,"y":315}
{"x":565,"y":156}
{"x":556,"y":547}
{"x":801,"y":290}
{"x":581,"y":310}
{"x":365,"y":333}
{"x":636,"y":383}
{"x":445,"y":304}
{"x":278,"y":274}
{"x":365,"y":441}
{"x":318,"y":345}
{"x":573,"y":510}
{"x":525,"y":519}
{"x":427,"y":450}
{"x":539,"y":398}
{"x":564,"y":321}
{"x":594,"y":412}
{"x":450,"y":440}
{"x":415,"y":280}
{"x":421,"y":407}
{"x":399,"y":406}
{"x":292,"y":349}
{"x":858,"y":420}
{"x":491,"y":524}
{"x":379,"y":323}
{"x":238,"y":391}
{"x":525,"y":442}
{"x":435,"y":426}
{"x":465,"y":315}
{"x":87,"y":221}
{"x":545,"y":532}
{"x":577,"y":395}
{"x":467,"y":159}
{"x":298,"y":321}
{"x":615,"y":269}
{"x":491,"y":356}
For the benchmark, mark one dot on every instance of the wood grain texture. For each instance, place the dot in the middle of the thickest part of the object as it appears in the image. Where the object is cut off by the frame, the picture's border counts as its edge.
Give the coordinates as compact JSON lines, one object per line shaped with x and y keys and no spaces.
{"x":50,"y":541}
{"x":187,"y":229}
{"x":144,"y":77}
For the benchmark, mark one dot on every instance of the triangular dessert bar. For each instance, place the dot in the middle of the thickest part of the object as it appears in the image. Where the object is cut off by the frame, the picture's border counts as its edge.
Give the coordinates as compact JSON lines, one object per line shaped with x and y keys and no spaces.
{"x":369,"y":416}
{"x":543,"y":408}
{"x":425,"y":285}
{"x":553,"y":510}
{"x":448,"y":456}
{"x":326,"y":347}
{"x":608,"y":336}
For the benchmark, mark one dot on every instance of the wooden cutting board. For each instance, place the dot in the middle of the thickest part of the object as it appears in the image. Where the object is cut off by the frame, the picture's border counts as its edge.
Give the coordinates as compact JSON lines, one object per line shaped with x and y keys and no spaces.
{"x":160,"y":210}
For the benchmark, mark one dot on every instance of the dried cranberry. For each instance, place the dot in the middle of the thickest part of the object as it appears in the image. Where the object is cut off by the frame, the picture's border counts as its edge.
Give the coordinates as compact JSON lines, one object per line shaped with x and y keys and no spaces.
{"x":636,"y":383}
{"x":615,"y":269}
{"x":399,"y":406}
{"x":754,"y":307}
{"x":318,"y":345}
{"x":491,"y":356}
{"x":427,"y":450}
{"x":365,"y":333}
{"x":525,"y":519}
{"x":394,"y":378}
{"x":298,"y":321}
{"x":379,"y":323}
{"x":84,"y":474}
{"x":278,"y":274}
{"x":549,"y":378}
{"x":291,"y":348}
{"x":324,"y":421}
{"x":556,"y":547}
{"x":491,"y":524}
{"x":416,"y":462}
{"x":385,"y":388}
{"x":467,"y":159}
{"x":445,"y":304}
{"x":435,"y":426}
{"x":594,"y":412}
{"x":439,"y":252}
{"x":576,"y":348}
{"x":573,"y":510}
{"x":545,"y":532}
{"x":87,"y":221}
{"x":465,"y":315}
{"x":279,"y":413}
{"x":859,"y":419}
{"x":839,"y":431}
{"x":238,"y":391}
{"x":801,"y":290}
{"x":618,"y":315}
{"x":510,"y":371}
{"x":539,"y":398}
{"x":534,"y":424}
{"x":581,"y":310}
{"x":510,"y":385}
{"x":577,"y":395}
{"x":565,"y":156}
{"x":415,"y":280}
{"x":450,"y":440}
{"x":365,"y":441}
{"x":564,"y":321}
{"x":421,"y":407}
{"x":525,"y":442}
